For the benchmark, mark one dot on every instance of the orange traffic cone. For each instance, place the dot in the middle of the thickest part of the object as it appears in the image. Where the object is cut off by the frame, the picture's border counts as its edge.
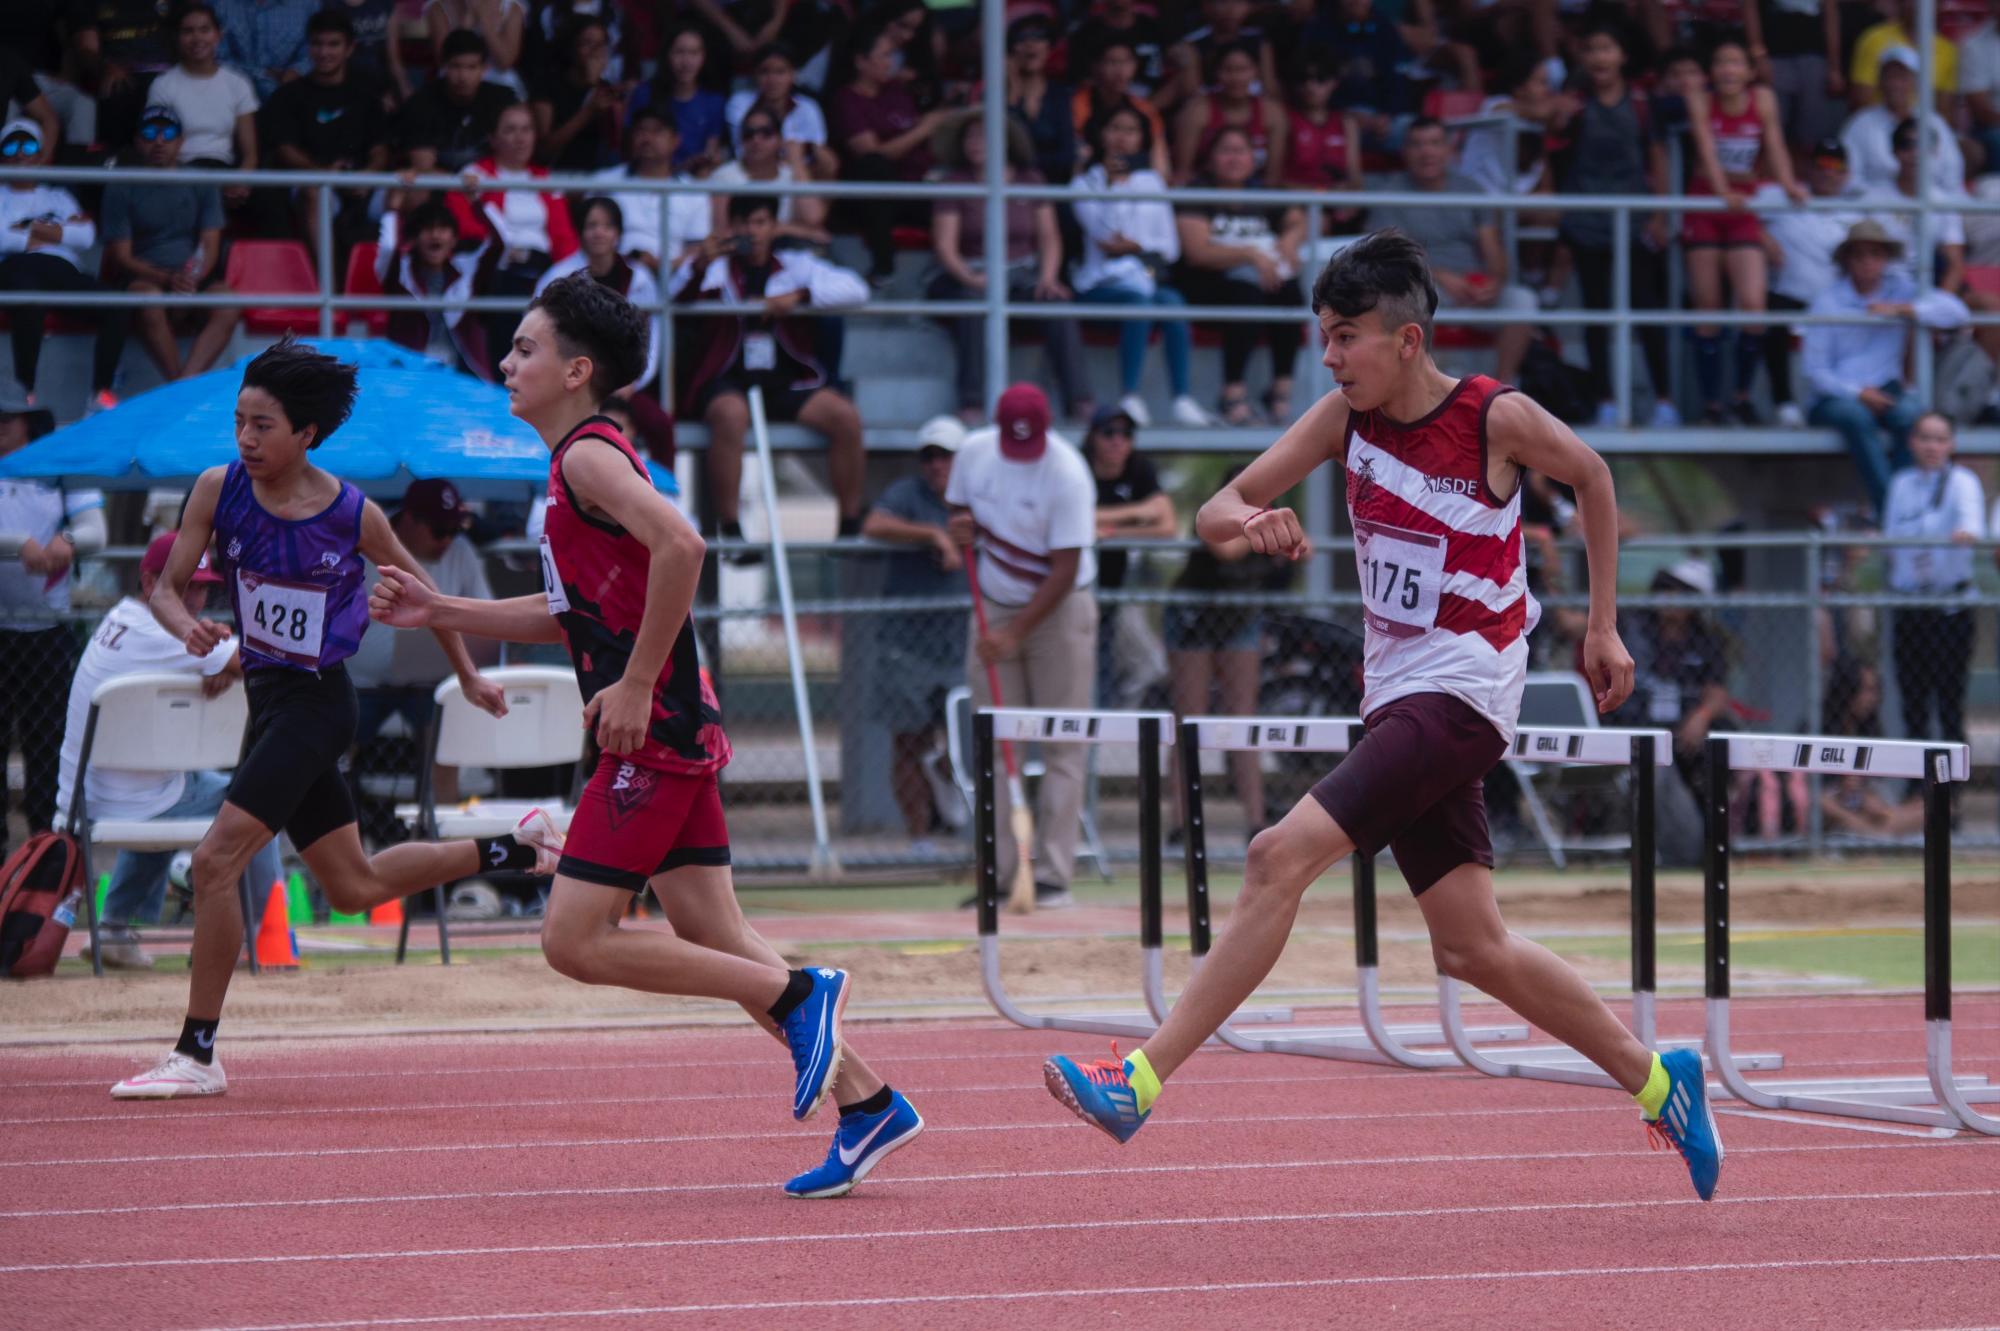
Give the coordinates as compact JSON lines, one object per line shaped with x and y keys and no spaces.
{"x":275,"y":947}
{"x":389,"y":913}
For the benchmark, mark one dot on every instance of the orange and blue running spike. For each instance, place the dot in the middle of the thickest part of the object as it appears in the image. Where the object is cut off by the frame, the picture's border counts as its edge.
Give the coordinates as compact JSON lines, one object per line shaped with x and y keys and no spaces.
{"x":1686,"y":1122}
{"x":1099,"y":1093}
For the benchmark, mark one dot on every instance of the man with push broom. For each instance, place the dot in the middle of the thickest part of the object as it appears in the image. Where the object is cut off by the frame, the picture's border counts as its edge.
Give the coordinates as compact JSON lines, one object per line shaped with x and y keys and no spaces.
{"x":1024,"y":507}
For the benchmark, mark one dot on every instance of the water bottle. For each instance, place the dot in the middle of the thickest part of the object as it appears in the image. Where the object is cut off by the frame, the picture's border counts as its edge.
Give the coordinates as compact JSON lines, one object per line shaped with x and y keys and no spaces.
{"x":65,"y":913}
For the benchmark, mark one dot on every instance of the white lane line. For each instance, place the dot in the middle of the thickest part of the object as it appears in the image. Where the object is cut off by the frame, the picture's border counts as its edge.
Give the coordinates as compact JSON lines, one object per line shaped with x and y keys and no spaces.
{"x":1829,"y":1121}
{"x":973,"y":1231}
{"x":978,"y":1176}
{"x":1219,"y":1287}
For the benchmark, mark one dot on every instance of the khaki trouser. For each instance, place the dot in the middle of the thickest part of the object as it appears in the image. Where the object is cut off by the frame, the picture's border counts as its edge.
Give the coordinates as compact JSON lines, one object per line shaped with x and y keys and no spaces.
{"x":1056,"y":667}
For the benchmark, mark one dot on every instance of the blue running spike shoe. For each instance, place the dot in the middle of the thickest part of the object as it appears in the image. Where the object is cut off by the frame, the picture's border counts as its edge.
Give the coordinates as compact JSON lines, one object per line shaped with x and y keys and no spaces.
{"x":1099,"y":1093}
{"x":859,"y":1144}
{"x":1686,"y":1122}
{"x":813,"y":1033}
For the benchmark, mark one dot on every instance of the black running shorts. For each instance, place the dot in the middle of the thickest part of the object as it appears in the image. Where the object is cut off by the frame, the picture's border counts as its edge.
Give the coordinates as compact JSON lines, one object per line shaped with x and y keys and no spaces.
{"x":301,"y":726}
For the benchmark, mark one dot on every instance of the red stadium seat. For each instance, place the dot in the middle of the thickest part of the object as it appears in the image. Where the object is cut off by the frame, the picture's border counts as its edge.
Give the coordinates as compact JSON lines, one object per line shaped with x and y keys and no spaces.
{"x":274,"y":266}
{"x":1983,"y":279}
{"x":361,"y":281}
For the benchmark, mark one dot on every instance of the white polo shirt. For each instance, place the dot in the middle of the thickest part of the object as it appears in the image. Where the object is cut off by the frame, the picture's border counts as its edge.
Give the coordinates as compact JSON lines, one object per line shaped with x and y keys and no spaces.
{"x":1025,"y":510}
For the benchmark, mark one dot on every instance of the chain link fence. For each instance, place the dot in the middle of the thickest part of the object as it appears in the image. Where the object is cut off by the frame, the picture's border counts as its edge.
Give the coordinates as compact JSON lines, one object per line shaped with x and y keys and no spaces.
{"x":1793,"y":633}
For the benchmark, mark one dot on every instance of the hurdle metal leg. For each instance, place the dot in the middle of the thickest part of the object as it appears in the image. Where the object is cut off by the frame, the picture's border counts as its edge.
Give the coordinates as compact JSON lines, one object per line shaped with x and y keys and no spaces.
{"x":1938,"y":1099}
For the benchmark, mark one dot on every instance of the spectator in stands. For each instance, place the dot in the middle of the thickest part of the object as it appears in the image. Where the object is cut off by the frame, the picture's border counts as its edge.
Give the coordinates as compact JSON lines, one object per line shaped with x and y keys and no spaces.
{"x":682,"y":87}
{"x":1230,"y":103}
{"x":1851,"y":802}
{"x":883,"y":137}
{"x":908,"y":25}
{"x":1612,"y":146}
{"x":1041,"y":105}
{"x":1131,"y":505}
{"x":543,"y":38}
{"x":1467,"y":259}
{"x":43,"y":233}
{"x":447,"y":124}
{"x":800,"y":119}
{"x":1870,"y":60}
{"x":1215,"y":648}
{"x":53,"y":526}
{"x":1122,"y":21}
{"x":1128,"y":245}
{"x":578,"y":108}
{"x":763,"y":155}
{"x":1025,"y":494}
{"x":378,"y":47}
{"x":1032,"y":266}
{"x":1110,"y":87}
{"x":767,"y":351}
{"x":1795,"y":47}
{"x":334,"y":119}
{"x":651,"y":138}
{"x":1979,"y":82}
{"x":1373,"y":81}
{"x":1937,"y":499}
{"x":1738,"y":142}
{"x":133,"y":44}
{"x":417,"y":255}
{"x":1870,"y":132}
{"x":129,"y":641}
{"x":396,"y":673}
{"x":1534,"y":108}
{"x":1682,"y":668}
{"x":20,"y":88}
{"x":1226,"y":23}
{"x":1233,"y":254}
{"x":266,"y":39}
{"x":1855,"y":370}
{"x":215,"y":104}
{"x":920,"y":654}
{"x":499,"y":25}
{"x":1800,"y":247}
{"x":531,"y":228}
{"x":1323,"y":142}
{"x":749,"y":26}
{"x":1947,"y":233}
{"x":599,"y":254}
{"x":161,"y":239}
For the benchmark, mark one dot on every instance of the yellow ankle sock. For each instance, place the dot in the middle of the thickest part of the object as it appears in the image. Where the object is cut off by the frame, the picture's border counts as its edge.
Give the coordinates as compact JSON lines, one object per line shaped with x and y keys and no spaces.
{"x":1146,"y":1085}
{"x":1652,"y":1097}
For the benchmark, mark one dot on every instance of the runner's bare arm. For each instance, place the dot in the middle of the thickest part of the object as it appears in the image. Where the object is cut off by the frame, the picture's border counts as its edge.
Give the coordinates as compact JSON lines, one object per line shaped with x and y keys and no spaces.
{"x":382,"y":548}
{"x":1241,"y":508}
{"x":401,"y":601}
{"x":1523,"y":433}
{"x":604,"y":479}
{"x":197,"y":529}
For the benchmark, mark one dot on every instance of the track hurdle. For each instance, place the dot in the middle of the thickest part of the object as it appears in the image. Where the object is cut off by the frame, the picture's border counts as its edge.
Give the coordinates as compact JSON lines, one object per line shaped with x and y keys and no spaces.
{"x":1940,"y":1098}
{"x":1149,"y":731}
{"x":1375,"y":1040}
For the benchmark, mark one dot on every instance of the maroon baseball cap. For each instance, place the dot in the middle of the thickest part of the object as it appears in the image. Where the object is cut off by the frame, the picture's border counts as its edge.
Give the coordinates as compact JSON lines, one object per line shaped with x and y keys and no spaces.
{"x":437,"y":504}
{"x":155,"y":559}
{"x":1023,"y":418}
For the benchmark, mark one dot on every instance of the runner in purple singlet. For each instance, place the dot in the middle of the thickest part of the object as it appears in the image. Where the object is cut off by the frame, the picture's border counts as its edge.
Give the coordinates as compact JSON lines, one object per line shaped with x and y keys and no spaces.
{"x":290,"y":541}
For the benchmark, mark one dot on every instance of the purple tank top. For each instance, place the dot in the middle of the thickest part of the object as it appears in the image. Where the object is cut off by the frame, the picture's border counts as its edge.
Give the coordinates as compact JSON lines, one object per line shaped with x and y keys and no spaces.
{"x":295,"y":584}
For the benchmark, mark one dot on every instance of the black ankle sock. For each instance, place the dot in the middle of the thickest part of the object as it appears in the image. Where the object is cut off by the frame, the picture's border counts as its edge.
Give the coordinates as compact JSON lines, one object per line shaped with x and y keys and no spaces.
{"x":797,"y":989}
{"x":500,"y":854}
{"x":849,"y":527}
{"x":874,"y":1104}
{"x":198,"y":1040}
{"x":730,"y":530}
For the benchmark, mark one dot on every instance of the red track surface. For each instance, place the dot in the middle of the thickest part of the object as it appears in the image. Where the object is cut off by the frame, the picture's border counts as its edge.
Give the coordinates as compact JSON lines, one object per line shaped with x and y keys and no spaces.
{"x":550,"y":1181}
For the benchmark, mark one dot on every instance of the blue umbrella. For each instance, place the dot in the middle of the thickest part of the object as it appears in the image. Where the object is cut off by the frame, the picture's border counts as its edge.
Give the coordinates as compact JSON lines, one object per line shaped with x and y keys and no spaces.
{"x":414,"y":418}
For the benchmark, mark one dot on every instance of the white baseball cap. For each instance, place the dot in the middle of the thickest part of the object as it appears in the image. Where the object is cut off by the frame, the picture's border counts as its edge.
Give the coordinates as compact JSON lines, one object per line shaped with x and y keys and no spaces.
{"x":946,"y":432}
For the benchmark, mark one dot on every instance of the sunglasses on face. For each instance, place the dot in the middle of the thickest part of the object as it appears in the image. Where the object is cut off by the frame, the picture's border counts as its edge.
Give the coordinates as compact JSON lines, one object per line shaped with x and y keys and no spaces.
{"x":1115,"y":431}
{"x":21,"y":145}
{"x":159,"y":132}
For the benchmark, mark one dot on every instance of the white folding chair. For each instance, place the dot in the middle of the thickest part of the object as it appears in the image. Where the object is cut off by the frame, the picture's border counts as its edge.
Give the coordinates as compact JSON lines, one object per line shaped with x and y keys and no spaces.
{"x":543,"y":727}
{"x":1559,"y":699}
{"x":154,"y":723}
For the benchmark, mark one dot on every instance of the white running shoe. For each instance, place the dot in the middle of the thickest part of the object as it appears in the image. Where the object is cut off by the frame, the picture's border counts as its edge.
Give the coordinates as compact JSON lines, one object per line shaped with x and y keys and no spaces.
{"x":176,"y":1077}
{"x":1187,"y":411}
{"x":1665,"y":417}
{"x":1790,"y":417}
{"x":537,"y":829}
{"x":1135,"y":406}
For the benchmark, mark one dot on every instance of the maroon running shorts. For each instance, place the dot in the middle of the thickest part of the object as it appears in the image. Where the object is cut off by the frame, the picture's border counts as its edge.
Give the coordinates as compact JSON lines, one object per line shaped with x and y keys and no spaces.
{"x":634,"y":822}
{"x":1416,"y":784}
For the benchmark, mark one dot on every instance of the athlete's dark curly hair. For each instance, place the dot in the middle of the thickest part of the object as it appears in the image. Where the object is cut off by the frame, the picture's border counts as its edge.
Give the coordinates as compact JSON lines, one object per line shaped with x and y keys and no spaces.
{"x":312,"y":387}
{"x":593,"y":320}
{"x":1387,"y":272}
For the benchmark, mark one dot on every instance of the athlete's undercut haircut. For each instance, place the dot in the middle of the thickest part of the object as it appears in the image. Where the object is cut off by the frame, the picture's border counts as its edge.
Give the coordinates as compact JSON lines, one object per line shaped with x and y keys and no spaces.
{"x":592,"y":320}
{"x":314,"y":388}
{"x":1387,"y":272}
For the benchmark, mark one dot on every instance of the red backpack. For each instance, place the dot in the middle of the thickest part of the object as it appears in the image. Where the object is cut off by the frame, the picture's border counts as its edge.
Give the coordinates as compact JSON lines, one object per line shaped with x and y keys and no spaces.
{"x":41,"y":887}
